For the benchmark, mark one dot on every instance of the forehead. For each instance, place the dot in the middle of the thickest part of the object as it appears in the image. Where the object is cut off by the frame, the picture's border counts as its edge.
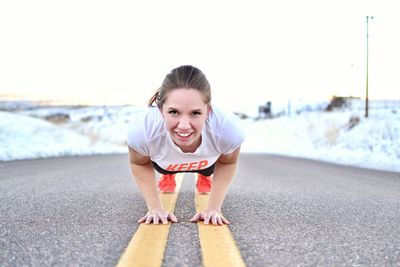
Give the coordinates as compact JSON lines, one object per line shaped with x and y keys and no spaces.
{"x":184,"y":98}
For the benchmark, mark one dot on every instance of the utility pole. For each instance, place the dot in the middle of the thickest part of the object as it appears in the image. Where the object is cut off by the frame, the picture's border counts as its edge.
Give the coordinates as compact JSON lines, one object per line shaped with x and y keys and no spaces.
{"x":366,"y":91}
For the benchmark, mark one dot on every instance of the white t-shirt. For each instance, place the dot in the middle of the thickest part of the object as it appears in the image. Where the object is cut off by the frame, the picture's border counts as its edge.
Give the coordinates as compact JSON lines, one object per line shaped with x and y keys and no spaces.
{"x":222,"y":134}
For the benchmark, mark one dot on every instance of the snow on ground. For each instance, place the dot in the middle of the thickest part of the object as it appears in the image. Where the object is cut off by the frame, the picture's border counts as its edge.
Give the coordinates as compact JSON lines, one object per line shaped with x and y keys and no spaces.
{"x":373,"y":143}
{"x":23,"y":137}
{"x":28,"y":132}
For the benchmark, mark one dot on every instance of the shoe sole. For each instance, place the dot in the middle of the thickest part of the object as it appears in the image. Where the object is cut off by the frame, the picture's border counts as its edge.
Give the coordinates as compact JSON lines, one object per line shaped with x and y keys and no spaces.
{"x":203,"y":193}
{"x":167,"y":192}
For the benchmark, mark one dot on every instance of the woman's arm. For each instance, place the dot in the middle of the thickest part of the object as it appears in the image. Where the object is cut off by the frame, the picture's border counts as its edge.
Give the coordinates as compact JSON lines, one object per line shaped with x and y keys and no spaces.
{"x":224,"y":171}
{"x":143,"y":174}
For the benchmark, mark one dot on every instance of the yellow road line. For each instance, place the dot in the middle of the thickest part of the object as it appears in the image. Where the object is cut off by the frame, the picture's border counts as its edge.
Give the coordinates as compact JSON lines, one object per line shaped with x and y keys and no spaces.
{"x":218,"y":248}
{"x":147,"y":246}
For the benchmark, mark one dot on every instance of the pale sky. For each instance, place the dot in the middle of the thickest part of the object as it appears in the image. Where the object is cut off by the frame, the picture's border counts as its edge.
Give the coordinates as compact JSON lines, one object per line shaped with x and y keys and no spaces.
{"x":251,"y":51}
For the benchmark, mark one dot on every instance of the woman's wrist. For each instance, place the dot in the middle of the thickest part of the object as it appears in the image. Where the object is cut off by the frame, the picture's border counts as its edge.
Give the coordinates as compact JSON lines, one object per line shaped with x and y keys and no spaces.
{"x":214,"y":207}
{"x":154,"y":203}
{"x":155,"y":206}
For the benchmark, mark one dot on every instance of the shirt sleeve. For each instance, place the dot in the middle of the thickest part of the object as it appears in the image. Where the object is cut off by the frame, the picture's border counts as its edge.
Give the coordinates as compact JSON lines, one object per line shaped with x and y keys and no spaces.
{"x":136,"y":138}
{"x":232,"y":134}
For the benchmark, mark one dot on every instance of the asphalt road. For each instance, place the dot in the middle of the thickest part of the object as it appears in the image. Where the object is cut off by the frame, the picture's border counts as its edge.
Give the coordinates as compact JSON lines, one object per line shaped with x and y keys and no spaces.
{"x":82,"y":211}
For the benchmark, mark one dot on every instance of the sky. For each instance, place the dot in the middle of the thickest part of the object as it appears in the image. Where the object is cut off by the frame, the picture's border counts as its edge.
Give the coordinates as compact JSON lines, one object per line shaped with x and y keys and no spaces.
{"x":114,"y":52}
{"x":373,"y":143}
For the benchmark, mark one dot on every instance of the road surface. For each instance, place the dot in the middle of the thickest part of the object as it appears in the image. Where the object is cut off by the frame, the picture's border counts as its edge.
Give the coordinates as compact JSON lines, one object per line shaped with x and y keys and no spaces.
{"x":284,"y":211}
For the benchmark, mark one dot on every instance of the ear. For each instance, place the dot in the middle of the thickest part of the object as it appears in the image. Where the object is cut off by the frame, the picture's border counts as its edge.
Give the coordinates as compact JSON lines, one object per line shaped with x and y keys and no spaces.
{"x":209,"y":110}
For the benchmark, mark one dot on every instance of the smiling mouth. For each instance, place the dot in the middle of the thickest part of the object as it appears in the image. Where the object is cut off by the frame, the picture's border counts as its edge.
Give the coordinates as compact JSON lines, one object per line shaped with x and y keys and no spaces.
{"x":183,"y":135}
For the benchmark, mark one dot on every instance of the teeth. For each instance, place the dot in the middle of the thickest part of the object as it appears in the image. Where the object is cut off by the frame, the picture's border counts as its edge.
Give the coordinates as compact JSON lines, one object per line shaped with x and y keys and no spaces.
{"x":183,"y":134}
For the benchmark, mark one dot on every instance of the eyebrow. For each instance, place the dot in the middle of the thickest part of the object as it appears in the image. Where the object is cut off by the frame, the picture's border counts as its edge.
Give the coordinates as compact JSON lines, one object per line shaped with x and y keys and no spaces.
{"x":175,"y":109}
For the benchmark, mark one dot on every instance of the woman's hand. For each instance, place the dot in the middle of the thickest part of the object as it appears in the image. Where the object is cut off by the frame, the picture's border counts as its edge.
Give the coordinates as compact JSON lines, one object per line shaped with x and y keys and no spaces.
{"x":156,"y":216}
{"x":210,"y":216}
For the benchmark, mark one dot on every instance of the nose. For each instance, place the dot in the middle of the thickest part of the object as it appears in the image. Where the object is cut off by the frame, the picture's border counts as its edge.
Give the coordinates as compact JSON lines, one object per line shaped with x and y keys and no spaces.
{"x":184,"y":123}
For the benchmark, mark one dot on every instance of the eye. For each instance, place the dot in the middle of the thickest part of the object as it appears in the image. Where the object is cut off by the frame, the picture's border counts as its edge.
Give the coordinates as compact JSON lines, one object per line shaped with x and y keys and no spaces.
{"x":173,"y":112}
{"x":196,"y":113}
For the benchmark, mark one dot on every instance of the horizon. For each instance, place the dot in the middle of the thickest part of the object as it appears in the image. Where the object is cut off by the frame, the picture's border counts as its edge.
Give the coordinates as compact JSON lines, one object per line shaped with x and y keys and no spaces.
{"x":250,"y":111}
{"x":77,"y":101}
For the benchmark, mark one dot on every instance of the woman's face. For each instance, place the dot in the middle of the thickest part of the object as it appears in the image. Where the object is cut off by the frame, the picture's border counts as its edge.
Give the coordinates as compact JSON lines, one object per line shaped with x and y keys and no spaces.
{"x":185,"y":112}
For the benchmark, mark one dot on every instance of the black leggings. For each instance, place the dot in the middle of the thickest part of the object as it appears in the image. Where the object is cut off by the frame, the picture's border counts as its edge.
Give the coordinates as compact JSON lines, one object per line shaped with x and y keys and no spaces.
{"x":206,"y":172}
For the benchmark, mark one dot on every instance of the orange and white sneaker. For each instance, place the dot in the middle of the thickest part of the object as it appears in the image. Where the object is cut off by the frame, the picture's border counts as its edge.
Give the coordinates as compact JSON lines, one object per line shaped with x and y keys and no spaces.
{"x":203,"y":184}
{"x":167,"y":183}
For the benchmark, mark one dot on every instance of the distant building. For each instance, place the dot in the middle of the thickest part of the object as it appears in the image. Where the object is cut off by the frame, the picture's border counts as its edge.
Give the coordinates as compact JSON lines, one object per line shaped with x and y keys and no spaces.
{"x":264,"y":112}
{"x":340,"y":102}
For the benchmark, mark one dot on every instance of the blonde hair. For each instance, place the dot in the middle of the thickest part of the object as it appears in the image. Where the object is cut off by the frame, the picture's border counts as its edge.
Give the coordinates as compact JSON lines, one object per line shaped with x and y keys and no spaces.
{"x":186,"y":76}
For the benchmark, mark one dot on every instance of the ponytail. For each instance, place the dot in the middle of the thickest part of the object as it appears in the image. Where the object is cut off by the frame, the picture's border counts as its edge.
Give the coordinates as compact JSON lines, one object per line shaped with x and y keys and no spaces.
{"x":154,"y":98}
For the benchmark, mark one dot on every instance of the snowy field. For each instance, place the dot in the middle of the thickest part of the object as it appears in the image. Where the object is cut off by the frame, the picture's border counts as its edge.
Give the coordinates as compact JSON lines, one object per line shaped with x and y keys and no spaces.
{"x":343,"y":136}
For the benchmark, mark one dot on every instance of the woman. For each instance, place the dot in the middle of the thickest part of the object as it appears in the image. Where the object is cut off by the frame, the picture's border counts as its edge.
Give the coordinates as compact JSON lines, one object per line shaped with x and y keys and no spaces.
{"x":184,"y":133}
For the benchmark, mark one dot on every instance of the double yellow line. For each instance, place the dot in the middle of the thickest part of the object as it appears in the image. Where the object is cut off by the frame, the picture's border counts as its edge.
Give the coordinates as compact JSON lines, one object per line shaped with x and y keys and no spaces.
{"x":218,"y":248}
